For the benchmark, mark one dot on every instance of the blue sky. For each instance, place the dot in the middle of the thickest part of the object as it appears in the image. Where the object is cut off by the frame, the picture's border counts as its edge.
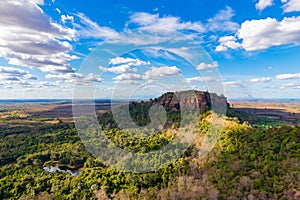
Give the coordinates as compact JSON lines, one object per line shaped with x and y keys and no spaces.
{"x":116,"y":49}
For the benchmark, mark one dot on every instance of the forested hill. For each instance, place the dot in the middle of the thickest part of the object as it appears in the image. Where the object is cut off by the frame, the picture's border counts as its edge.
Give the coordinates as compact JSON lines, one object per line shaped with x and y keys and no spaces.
{"x":246,"y":163}
{"x":49,"y":161}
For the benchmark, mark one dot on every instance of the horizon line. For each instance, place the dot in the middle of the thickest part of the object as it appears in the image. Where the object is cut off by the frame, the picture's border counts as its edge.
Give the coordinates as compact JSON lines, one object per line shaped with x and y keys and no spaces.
{"x":148,"y":98}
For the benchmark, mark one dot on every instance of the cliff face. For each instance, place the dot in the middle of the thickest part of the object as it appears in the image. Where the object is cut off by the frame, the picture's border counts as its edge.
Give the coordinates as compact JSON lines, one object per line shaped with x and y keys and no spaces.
{"x":193,"y":100}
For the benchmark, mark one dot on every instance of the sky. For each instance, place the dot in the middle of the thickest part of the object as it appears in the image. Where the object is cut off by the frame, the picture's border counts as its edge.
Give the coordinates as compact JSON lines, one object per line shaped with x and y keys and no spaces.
{"x":140,"y":49}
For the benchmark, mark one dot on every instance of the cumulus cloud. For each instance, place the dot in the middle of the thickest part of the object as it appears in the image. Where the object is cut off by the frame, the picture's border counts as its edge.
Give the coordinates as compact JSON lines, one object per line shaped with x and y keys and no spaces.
{"x":163,"y":71}
{"x":34,"y":40}
{"x":125,"y":68}
{"x":291,"y":5}
{"x":154,"y":72}
{"x":203,"y":65}
{"x":123,"y":65}
{"x":222,"y":21}
{"x":288,"y":76}
{"x":227,"y":42}
{"x":262,"y":4}
{"x":27,"y":84}
{"x":128,"y":77}
{"x":14,"y":74}
{"x":260,"y":80}
{"x":221,"y":48}
{"x":41,"y":84}
{"x":76,"y":78}
{"x":263,"y":33}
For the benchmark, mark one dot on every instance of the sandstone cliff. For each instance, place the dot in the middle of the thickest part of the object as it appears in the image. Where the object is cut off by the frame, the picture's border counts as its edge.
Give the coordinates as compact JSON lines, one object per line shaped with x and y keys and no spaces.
{"x":194,"y":100}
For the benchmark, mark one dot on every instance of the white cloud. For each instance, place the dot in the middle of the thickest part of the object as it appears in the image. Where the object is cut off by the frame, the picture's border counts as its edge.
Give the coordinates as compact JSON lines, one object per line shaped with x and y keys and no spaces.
{"x":17,"y":84}
{"x":128,"y":77}
{"x":291,"y":5}
{"x":221,"y":48}
{"x":238,"y":83}
{"x":30,"y":38}
{"x":15,"y":74}
{"x":163,"y":71}
{"x":264,"y":33}
{"x":76,"y":78}
{"x":65,"y":18}
{"x":152,"y":22}
{"x":127,"y":82}
{"x":58,"y":10}
{"x":182,"y":51}
{"x":202,"y":66}
{"x":41,"y":84}
{"x":57,"y":69}
{"x":129,"y":61}
{"x":291,"y":85}
{"x":90,"y":29}
{"x":222,"y":21}
{"x":169,"y":24}
{"x":125,"y":68}
{"x":288,"y":76}
{"x":46,"y":84}
{"x":262,"y":4}
{"x":123,"y":65}
{"x":227,"y":42}
{"x":149,"y":75}
{"x":200,"y":79}
{"x":144,"y":19}
{"x":153,"y":28}
{"x":260,"y":80}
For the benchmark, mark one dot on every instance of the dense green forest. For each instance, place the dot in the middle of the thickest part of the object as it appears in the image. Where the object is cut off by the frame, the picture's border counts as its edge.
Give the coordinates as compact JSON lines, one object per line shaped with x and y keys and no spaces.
{"x":247,"y":162}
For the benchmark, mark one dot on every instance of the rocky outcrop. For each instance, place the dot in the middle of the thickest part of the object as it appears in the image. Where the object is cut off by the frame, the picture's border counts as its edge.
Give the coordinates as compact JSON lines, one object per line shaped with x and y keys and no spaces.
{"x":194,"y":100}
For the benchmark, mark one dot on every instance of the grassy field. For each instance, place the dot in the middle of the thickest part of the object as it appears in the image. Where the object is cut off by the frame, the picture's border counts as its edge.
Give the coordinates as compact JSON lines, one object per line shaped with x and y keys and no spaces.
{"x":283,"y":112}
